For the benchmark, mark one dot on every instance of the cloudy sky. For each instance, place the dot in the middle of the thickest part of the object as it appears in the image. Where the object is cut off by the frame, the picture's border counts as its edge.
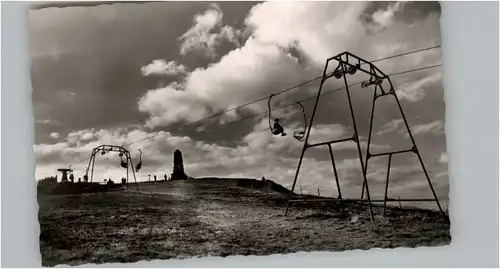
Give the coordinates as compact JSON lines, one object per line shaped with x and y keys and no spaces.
{"x":127,"y":72}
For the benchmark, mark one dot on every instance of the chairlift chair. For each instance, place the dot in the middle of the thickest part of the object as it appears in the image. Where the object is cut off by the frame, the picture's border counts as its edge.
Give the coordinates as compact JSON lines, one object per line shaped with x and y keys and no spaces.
{"x":139,"y":164}
{"x":299,"y":135}
{"x":123,"y":164}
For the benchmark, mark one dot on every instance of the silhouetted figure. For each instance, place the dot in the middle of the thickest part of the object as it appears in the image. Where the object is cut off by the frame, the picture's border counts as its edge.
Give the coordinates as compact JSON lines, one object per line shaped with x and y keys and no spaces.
{"x":277,"y":128}
{"x":178,"y":171}
{"x":72,"y":178}
{"x":149,"y":177}
{"x":124,"y":181}
{"x":86,"y":178}
{"x":165,"y":177}
{"x":154,"y":177}
{"x":263,"y":179}
{"x":79,"y":180}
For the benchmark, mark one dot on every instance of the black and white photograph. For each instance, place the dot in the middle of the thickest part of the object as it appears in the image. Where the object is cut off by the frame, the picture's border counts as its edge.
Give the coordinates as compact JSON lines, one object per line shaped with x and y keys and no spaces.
{"x":185,"y":129}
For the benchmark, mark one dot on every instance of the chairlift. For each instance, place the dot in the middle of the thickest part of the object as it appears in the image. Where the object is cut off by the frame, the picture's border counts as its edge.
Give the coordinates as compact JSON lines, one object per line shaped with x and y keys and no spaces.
{"x":123,"y":163}
{"x":277,"y":129}
{"x":139,"y":164}
{"x":299,"y":135}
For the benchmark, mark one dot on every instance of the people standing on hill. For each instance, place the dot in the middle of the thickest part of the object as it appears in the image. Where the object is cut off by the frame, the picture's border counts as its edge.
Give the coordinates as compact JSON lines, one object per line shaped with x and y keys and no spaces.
{"x":154,"y":177}
{"x":165,"y":177}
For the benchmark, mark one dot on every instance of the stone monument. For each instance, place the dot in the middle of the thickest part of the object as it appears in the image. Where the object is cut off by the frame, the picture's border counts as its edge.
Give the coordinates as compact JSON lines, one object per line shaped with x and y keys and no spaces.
{"x":178,"y":171}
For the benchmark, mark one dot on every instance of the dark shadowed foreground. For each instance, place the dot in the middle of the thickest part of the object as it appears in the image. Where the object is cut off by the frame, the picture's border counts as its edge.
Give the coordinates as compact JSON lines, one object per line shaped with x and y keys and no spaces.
{"x":207,"y":218}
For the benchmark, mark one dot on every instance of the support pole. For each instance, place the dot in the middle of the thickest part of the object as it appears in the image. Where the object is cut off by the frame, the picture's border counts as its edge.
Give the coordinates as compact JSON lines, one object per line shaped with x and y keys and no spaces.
{"x":133,"y":173}
{"x":416,"y":150}
{"x":128,"y":157}
{"x":295,"y":179}
{"x":90,"y":162}
{"x":357,"y":139}
{"x":307,"y":139}
{"x":387,"y":181}
{"x":92,"y":172}
{"x":367,"y":157}
{"x":334,"y":171}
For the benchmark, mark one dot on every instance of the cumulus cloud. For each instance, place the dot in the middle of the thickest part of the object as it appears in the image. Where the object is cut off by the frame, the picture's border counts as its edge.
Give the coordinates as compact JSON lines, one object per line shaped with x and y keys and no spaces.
{"x":287,"y":44}
{"x":415,"y":90}
{"x":201,"y":36}
{"x":383,"y":18}
{"x":170,"y":104}
{"x":397,"y":126}
{"x":265,"y":64}
{"x":228,"y":83}
{"x":54,"y":135}
{"x":435,"y":127}
{"x":162,"y":67}
{"x":257,"y":154}
{"x":391,"y":126}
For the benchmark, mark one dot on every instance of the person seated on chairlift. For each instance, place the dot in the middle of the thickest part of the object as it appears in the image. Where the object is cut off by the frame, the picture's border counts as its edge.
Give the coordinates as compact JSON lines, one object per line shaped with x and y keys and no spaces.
{"x":277,"y":128}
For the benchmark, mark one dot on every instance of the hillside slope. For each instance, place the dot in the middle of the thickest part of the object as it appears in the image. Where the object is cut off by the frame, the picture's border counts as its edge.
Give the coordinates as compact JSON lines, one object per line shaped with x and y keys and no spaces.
{"x":212,"y":218}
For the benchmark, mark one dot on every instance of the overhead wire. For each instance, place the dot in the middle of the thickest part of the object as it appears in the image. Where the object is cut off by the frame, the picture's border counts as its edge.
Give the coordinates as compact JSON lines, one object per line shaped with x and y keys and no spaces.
{"x":283,"y":106}
{"x":294,"y":102}
{"x":280,"y":92}
{"x":276,"y":93}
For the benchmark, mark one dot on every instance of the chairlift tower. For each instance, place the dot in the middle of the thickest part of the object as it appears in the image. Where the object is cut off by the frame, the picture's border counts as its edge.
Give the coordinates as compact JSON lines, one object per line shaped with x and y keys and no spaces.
{"x":349,"y":64}
{"x":103,"y":149}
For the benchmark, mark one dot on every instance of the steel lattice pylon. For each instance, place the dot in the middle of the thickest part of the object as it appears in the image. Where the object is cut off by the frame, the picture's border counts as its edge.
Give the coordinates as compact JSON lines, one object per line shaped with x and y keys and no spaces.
{"x":110,"y":148}
{"x":349,"y":64}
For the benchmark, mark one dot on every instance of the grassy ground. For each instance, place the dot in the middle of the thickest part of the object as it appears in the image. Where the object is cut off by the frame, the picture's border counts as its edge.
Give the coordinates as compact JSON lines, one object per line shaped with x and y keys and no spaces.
{"x":191,"y":219}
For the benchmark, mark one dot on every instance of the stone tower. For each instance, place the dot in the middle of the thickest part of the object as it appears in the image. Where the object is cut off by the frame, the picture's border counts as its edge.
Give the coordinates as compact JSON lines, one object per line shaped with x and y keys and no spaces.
{"x":178,"y":171}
